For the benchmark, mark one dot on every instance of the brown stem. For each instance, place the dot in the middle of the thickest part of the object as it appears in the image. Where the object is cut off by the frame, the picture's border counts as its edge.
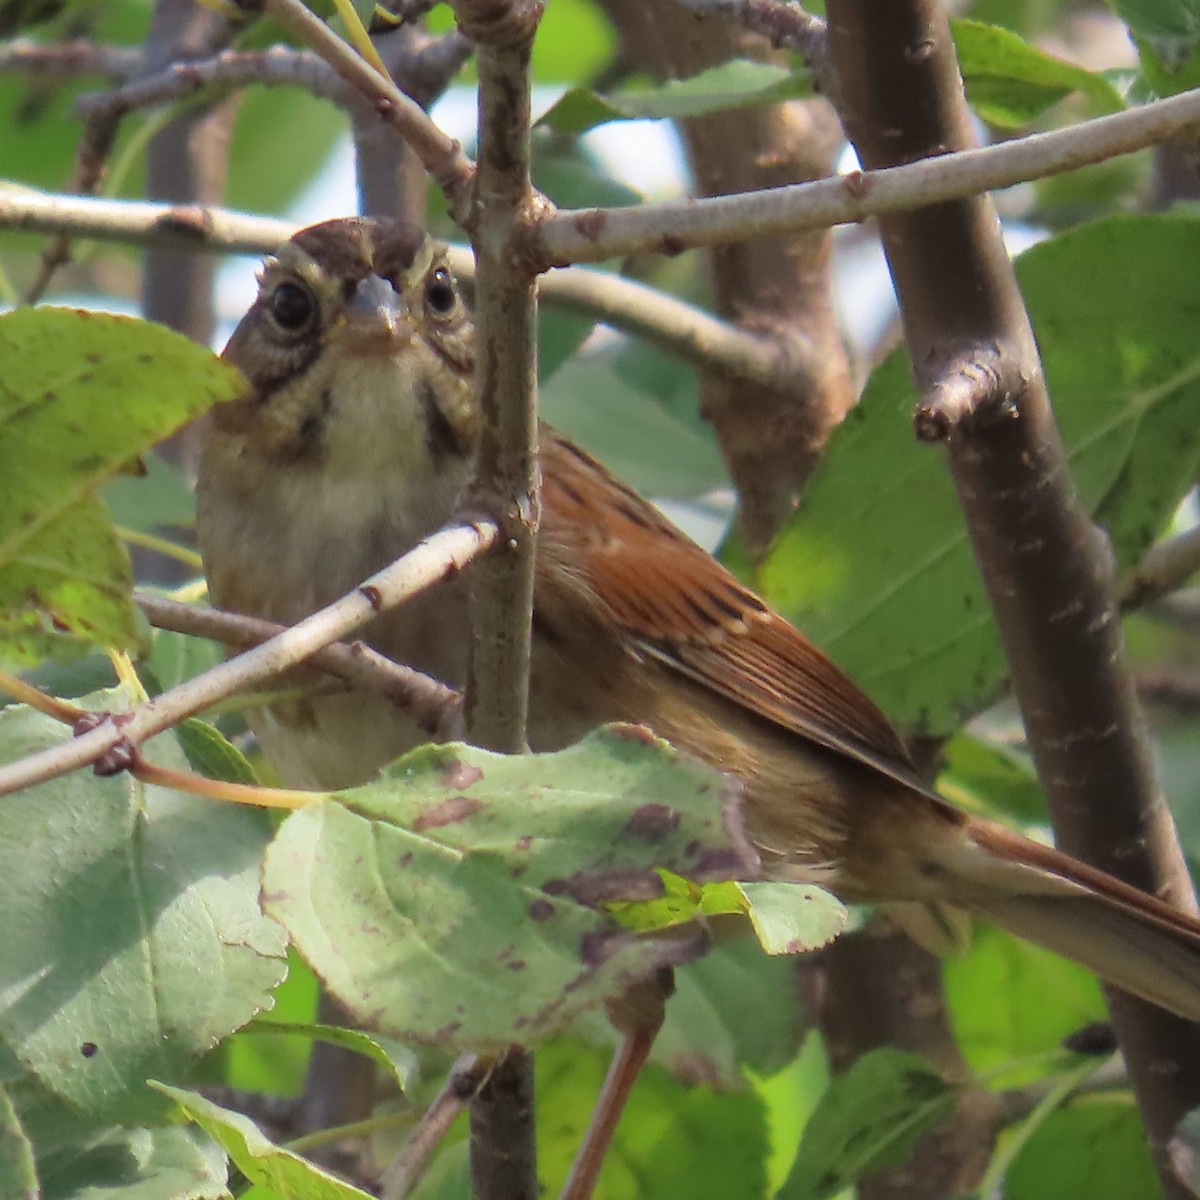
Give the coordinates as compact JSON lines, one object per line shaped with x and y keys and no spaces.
{"x":503,"y":1143}
{"x":1047,"y":571}
{"x":503,"y":1158}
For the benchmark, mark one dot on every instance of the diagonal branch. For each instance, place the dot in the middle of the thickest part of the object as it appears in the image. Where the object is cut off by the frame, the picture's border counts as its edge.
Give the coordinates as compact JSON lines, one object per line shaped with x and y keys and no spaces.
{"x":440,"y":155}
{"x":439,"y":556}
{"x":430,"y":703}
{"x":590,"y":235}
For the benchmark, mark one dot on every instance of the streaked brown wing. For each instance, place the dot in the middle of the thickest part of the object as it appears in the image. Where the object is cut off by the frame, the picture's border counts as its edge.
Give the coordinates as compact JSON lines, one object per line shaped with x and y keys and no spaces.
{"x":686,"y":610}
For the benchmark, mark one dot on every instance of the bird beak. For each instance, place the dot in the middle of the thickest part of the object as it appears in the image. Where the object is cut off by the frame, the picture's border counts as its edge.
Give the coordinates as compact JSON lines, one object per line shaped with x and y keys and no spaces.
{"x":377,"y":315}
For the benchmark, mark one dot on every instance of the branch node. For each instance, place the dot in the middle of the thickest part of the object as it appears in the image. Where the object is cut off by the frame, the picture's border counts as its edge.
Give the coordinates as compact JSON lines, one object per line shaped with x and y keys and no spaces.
{"x":119,"y":757}
{"x":500,"y":24}
{"x":982,"y":386}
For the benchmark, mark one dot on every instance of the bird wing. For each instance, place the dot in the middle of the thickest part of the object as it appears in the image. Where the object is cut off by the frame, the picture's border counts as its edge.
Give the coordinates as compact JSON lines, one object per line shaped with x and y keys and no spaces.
{"x":686,"y":610}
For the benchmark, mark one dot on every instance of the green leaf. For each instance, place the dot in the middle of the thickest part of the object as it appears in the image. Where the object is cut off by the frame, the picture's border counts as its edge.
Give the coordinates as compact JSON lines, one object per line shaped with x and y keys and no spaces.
{"x":82,"y":1159}
{"x":455,"y":901}
{"x":273,"y":1063}
{"x":1010,"y":83}
{"x":281,"y":139}
{"x":155,"y":496}
{"x":176,"y":657}
{"x":613,"y":408}
{"x":210,"y":753}
{"x":132,"y":938}
{"x":41,"y":132}
{"x":258,"y":1158}
{"x":992,"y":779}
{"x":81,"y":395}
{"x":870,"y":1119}
{"x":739,"y":83}
{"x":394,"y":1057}
{"x":575,"y":39}
{"x":18,"y":1171}
{"x":787,"y":918}
{"x":706,"y":1037}
{"x":1010,"y":1001}
{"x":1096,"y":1148}
{"x":791,"y":918}
{"x":1161,"y":18}
{"x":876,"y":567}
{"x":143,"y":1164}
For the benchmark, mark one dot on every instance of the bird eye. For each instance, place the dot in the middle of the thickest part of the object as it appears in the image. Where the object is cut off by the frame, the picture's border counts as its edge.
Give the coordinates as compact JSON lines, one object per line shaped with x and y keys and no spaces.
{"x":291,"y":305}
{"x":439,"y":292}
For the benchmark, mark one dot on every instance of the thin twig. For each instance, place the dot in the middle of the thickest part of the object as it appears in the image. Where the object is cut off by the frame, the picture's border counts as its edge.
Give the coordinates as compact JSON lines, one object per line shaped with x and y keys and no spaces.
{"x":431,"y":704}
{"x":277,"y":66}
{"x":784,"y":24}
{"x":439,"y":556}
{"x":68,"y":60}
{"x":220,"y":789}
{"x":194,"y":226}
{"x":405,"y":1171}
{"x":1164,"y":568}
{"x":679,"y":328}
{"x":25,"y":693}
{"x":590,"y":235}
{"x":440,"y":155}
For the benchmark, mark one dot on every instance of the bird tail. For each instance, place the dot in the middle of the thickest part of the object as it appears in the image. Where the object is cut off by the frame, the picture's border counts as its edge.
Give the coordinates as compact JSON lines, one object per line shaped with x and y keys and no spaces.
{"x":1127,"y":937}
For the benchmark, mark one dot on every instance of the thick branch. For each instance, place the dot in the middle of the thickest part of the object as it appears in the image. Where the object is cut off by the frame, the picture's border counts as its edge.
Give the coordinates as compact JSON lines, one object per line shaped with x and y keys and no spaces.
{"x":441,"y":555}
{"x":1048,"y":573}
{"x":590,"y":235}
{"x":503,"y":1145}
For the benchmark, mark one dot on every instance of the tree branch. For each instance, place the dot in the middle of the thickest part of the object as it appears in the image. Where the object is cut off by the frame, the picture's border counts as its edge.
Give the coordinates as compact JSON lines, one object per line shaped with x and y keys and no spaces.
{"x":679,"y":328}
{"x":441,"y":555}
{"x":783,"y":24}
{"x":590,"y":235}
{"x":68,"y":60}
{"x":405,"y":1171}
{"x":431,"y":704}
{"x":1048,"y":575}
{"x":440,"y":155}
{"x":1166,"y":566}
{"x":503,"y":1145}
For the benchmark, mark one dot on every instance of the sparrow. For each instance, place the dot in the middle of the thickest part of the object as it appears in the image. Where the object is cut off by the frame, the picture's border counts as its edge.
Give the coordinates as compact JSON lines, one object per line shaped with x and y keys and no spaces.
{"x":356,"y":438}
